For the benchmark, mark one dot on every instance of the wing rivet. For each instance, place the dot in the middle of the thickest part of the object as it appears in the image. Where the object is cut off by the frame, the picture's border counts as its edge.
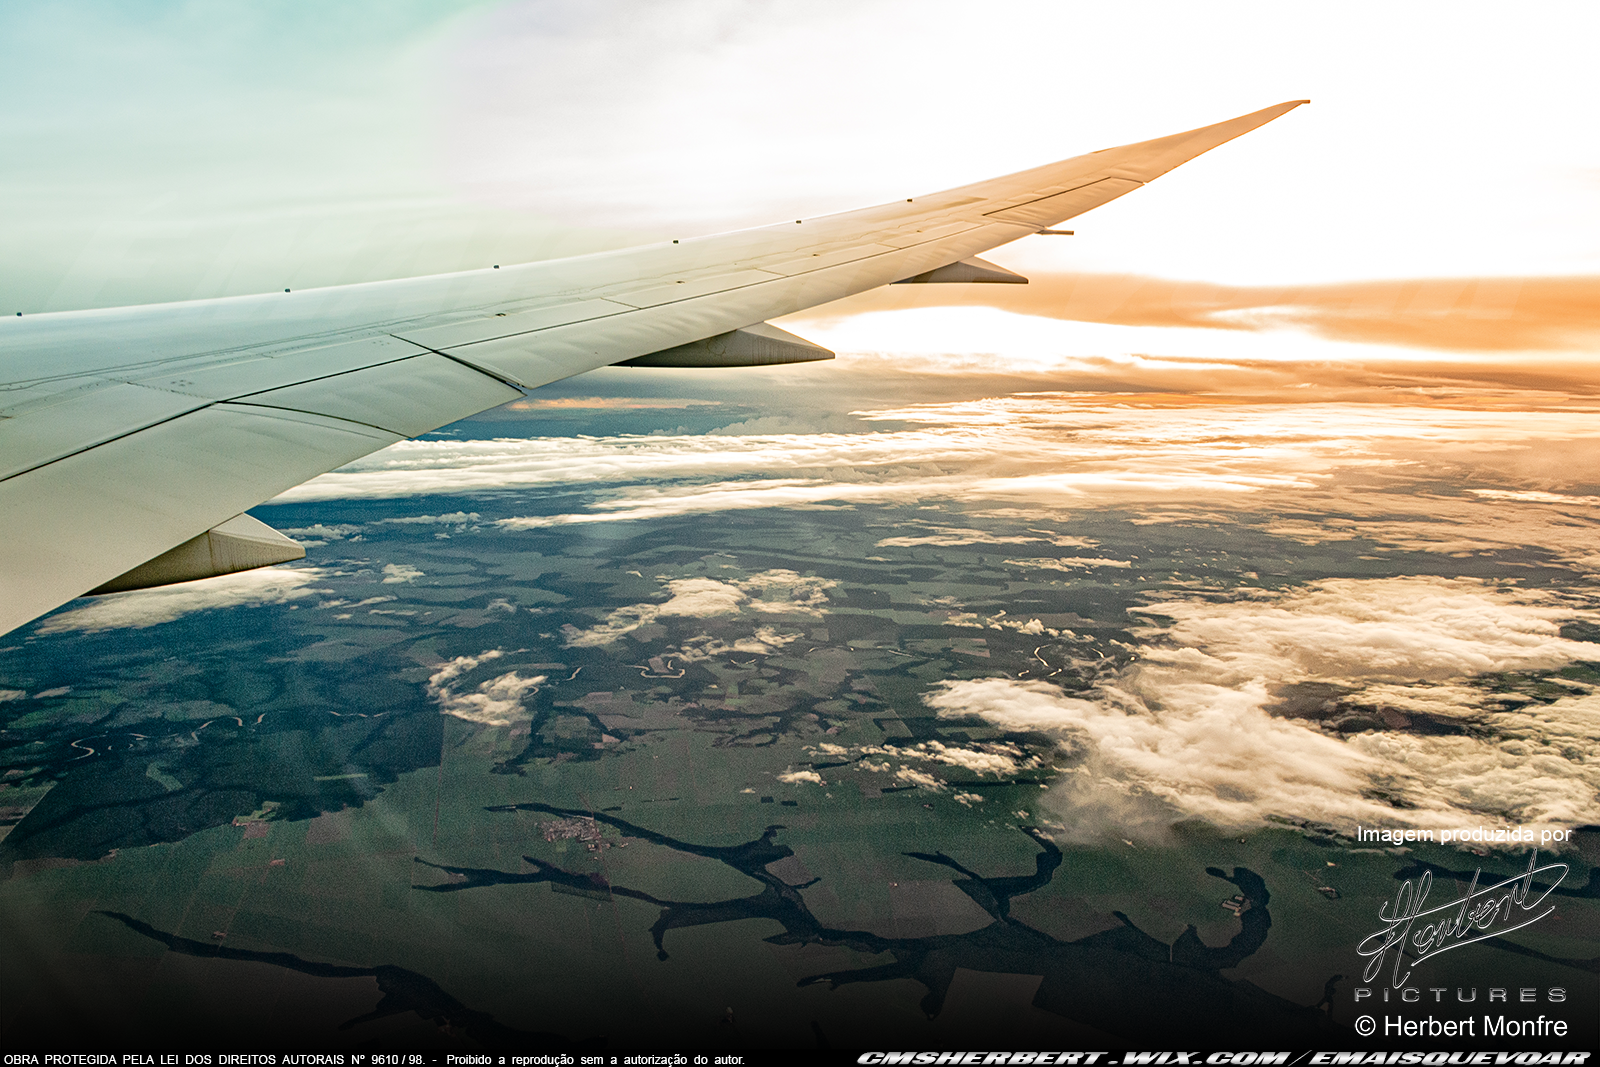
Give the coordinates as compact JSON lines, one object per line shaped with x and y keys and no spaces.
{"x":497,"y":266}
{"x":286,"y":290}
{"x":797,"y":222}
{"x":674,"y":240}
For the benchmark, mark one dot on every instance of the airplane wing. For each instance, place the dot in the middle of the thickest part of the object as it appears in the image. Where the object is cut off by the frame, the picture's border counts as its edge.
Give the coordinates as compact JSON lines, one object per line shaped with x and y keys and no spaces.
{"x":132,"y":440}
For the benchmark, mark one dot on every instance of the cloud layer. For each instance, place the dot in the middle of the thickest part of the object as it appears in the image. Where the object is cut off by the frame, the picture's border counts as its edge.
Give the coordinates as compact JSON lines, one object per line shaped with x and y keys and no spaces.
{"x":1471,"y":314}
{"x":773,"y":592}
{"x":494,"y":702}
{"x":151,"y":607}
{"x":1191,"y":729}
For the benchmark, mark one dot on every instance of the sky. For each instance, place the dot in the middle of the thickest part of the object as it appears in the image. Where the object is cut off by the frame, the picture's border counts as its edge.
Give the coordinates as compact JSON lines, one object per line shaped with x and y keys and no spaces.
{"x":163,"y":151}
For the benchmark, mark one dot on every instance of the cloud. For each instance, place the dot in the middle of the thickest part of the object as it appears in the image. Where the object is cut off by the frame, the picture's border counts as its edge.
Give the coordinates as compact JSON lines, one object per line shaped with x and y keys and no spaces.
{"x":765,"y":641}
{"x":399,"y":574}
{"x":998,"y":759}
{"x":454,"y":518}
{"x":1067,"y":563}
{"x":788,"y":424}
{"x":948,"y":537}
{"x":616,"y":624}
{"x":773,"y":592}
{"x":318,"y":534}
{"x":702,"y":597}
{"x":798,"y":777}
{"x":495,"y":702}
{"x":1537,"y":497}
{"x":1189,"y":730}
{"x":920,"y":779}
{"x":12,"y":694}
{"x":151,"y":607}
{"x":1465,"y":475}
{"x":1482,"y":314}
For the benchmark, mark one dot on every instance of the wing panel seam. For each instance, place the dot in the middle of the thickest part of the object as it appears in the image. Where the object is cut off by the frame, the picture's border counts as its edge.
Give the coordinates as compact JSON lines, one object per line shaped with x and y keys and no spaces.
{"x":110,"y":440}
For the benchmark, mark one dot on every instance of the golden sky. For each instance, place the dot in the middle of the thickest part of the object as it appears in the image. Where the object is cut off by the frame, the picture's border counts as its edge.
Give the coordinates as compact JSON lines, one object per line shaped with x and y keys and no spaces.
{"x":1435,"y":205}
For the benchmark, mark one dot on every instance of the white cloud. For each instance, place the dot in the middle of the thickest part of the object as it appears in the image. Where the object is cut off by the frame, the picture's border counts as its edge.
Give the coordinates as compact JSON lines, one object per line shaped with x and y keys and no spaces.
{"x":765,"y":641}
{"x":12,"y":694}
{"x":495,"y":702}
{"x":454,"y":518}
{"x":997,"y":759}
{"x":150,"y":607}
{"x":1186,"y":732}
{"x":702,"y":597}
{"x":1363,"y":630}
{"x":1537,"y":497}
{"x":798,"y":777}
{"x":319,"y":534}
{"x":1067,"y":563}
{"x":617,"y":624}
{"x":399,"y":574}
{"x":948,"y":537}
{"x":773,"y":592}
{"x":920,"y":779}
{"x":1177,"y":458}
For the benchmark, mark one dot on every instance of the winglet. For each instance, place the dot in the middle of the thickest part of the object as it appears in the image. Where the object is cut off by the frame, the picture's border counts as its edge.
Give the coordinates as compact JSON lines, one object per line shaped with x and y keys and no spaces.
{"x":1148,"y":160}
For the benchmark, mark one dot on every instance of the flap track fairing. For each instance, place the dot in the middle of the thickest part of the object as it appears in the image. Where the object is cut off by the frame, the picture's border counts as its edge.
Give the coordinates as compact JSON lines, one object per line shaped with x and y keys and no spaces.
{"x":761,"y":345}
{"x":240,"y":544}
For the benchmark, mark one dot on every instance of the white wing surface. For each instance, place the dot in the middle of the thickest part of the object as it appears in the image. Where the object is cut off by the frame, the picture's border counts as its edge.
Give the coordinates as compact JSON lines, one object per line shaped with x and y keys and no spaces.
{"x":130,"y":436}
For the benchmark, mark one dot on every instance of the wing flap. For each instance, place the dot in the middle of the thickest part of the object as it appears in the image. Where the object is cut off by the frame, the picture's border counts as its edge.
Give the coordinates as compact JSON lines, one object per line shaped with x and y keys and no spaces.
{"x":83,"y":520}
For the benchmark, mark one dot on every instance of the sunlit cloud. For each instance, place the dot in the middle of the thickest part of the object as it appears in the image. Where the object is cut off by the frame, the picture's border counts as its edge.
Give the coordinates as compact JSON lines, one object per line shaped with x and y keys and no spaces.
{"x":1469,"y":315}
{"x":773,"y":592}
{"x":454,"y":518}
{"x":1193,"y":729}
{"x":1536,"y":497}
{"x":801,"y":778}
{"x":494,"y":702}
{"x":1441,"y":478}
{"x":765,"y":640}
{"x":1068,"y":563}
{"x":400,"y":574}
{"x":319,"y":534}
{"x":995,"y":758}
{"x":151,"y":607}
{"x":603,"y":403}
{"x":943,"y":537}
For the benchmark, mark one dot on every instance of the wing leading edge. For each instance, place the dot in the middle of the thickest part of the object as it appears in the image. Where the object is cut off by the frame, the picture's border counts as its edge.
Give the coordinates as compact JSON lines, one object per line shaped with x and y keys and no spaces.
{"x":127,"y":434}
